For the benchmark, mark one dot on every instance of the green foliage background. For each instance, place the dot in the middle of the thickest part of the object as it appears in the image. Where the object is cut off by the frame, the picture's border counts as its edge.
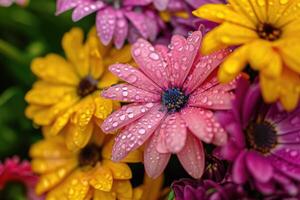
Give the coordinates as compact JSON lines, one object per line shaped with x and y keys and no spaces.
{"x":26,"y":33}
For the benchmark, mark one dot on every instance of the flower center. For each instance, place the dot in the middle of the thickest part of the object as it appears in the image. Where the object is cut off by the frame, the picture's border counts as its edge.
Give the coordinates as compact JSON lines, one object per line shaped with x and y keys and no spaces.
{"x":174,"y":99}
{"x":268,"y":32}
{"x":89,"y":155}
{"x":261,"y":136}
{"x":86,"y":86}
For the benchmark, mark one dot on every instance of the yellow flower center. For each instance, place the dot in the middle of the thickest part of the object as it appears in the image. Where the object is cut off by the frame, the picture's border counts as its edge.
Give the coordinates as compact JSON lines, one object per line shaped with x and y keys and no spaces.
{"x":87,"y":86}
{"x":89,"y":155}
{"x":268,"y":32}
{"x":261,"y":136}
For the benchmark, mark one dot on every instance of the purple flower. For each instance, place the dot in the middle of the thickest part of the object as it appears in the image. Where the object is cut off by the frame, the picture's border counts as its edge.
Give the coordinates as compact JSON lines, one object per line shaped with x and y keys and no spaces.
{"x":116,"y":20}
{"x":189,"y":189}
{"x":263,"y":142}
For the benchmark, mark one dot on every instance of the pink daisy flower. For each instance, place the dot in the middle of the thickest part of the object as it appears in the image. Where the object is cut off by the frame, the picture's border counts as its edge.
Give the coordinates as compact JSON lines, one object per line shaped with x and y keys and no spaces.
{"x":13,"y":170}
{"x":116,"y":20}
{"x":173,"y":93}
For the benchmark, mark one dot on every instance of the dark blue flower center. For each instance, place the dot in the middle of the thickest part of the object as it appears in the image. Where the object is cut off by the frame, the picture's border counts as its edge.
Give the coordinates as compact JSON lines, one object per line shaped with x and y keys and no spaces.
{"x":174,"y":99}
{"x":261,"y":136}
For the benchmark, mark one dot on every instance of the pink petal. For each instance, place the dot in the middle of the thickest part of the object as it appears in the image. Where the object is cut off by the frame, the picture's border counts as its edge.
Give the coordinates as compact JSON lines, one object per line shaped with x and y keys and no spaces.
{"x":105,"y":24}
{"x":150,"y":62}
{"x":136,"y":2}
{"x":154,"y":162}
{"x":201,"y":123}
{"x":175,"y":132}
{"x":85,"y":8}
{"x":259,"y":166}
{"x":239,"y":170}
{"x":64,"y":5}
{"x":138,"y":21}
{"x":134,"y":77}
{"x":192,"y":157}
{"x":163,"y":51}
{"x":220,"y":137}
{"x":205,"y":66}
{"x":183,"y":54}
{"x":161,"y":146}
{"x":152,"y":25}
{"x":134,"y":135}
{"x":129,"y":93}
{"x":121,"y":31}
{"x":214,"y":99}
{"x":161,"y":4}
{"x":124,"y":116}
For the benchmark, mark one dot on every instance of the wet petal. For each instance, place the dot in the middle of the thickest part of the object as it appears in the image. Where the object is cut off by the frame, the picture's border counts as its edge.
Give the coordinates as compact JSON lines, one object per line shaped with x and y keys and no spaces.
{"x":101,"y":178}
{"x":129,"y":93}
{"x":289,"y":155}
{"x":240,"y":173}
{"x":134,"y":77}
{"x":124,"y":116}
{"x":192,"y":156}
{"x":64,"y":5}
{"x":138,"y":21}
{"x":150,"y":62}
{"x":137,"y":133}
{"x":105,"y":24}
{"x":154,"y":162}
{"x":119,"y":171}
{"x":85,"y":8}
{"x":161,"y":4}
{"x":120,"y":32}
{"x":287,"y":168}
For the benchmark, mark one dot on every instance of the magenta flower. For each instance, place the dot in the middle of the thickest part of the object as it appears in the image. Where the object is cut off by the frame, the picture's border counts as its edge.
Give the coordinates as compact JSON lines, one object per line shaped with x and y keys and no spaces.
{"x":159,"y":4}
{"x":13,"y":170}
{"x":263,"y":142}
{"x":116,"y":20}
{"x":174,"y":93}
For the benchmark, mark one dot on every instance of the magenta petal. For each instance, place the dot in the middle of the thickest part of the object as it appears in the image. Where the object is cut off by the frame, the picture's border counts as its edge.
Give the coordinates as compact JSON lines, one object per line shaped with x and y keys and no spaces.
{"x":64,"y":5}
{"x":287,"y":168}
{"x":129,"y":93}
{"x":134,"y":135}
{"x":124,"y":116}
{"x":250,"y":103}
{"x":138,"y":21}
{"x":201,"y":123}
{"x":239,"y":170}
{"x":289,"y":155}
{"x":152,"y":25}
{"x":105,"y":24}
{"x":259,"y":166}
{"x":150,"y":62}
{"x":121,"y":31}
{"x":134,"y":77}
{"x":205,"y":66}
{"x":266,"y":188}
{"x":85,"y":8}
{"x":154,"y":162}
{"x":287,"y":183}
{"x":192,"y":156}
{"x":229,"y":151}
{"x":136,"y":2}
{"x":183,"y":54}
{"x":161,"y":4}
{"x":175,"y":132}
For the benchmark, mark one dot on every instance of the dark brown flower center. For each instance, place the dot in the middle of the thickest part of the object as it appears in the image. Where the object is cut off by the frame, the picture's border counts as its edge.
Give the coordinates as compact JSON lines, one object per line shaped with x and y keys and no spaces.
{"x":261,"y":136}
{"x":268,"y":32}
{"x":87,"y":86}
{"x":89,"y":155}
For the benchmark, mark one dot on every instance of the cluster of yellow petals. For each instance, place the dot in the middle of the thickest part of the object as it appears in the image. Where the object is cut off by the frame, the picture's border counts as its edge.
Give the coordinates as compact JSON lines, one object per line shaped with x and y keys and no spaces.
{"x":275,"y":57}
{"x":54,"y":101}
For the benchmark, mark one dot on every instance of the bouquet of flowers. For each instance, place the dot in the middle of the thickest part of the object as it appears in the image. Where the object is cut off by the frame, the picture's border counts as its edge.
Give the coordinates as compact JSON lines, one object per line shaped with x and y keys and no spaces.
{"x":150,"y":99}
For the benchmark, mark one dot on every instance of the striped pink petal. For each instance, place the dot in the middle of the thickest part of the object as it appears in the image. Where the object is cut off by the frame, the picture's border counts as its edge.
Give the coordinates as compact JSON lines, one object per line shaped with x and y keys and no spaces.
{"x":105,"y":24}
{"x":121,"y":31}
{"x":134,"y":77}
{"x":134,"y":135}
{"x":154,"y":162}
{"x":85,"y":8}
{"x":183,"y":53}
{"x":192,"y":156}
{"x":129,"y":93}
{"x":150,"y":62}
{"x":124,"y":116}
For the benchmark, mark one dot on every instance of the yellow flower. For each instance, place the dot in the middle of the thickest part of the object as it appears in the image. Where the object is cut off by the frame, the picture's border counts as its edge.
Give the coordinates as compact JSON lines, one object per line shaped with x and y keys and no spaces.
{"x":84,"y":174}
{"x":66,"y":95}
{"x":267,"y":33}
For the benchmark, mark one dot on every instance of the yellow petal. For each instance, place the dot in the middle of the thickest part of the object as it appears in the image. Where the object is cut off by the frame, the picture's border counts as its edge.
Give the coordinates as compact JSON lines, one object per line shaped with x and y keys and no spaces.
{"x":32,"y":110}
{"x":132,"y":157}
{"x":122,"y":55}
{"x":123,"y":189}
{"x":45,"y":165}
{"x":100,"y":195}
{"x":220,"y":13}
{"x":96,"y":64}
{"x":47,"y":95}
{"x":210,"y":43}
{"x":290,"y":51}
{"x":80,"y":136}
{"x":119,"y":171}
{"x":101,"y":178}
{"x":233,"y":65}
{"x":276,"y":9}
{"x":104,"y":107}
{"x":152,"y":188}
{"x":49,"y":180}
{"x":290,"y":12}
{"x":98,"y":136}
{"x":61,"y":122}
{"x":84,"y":112}
{"x":269,"y":88}
{"x":107,"y":80}
{"x":102,"y":48}
{"x":55,"y":69}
